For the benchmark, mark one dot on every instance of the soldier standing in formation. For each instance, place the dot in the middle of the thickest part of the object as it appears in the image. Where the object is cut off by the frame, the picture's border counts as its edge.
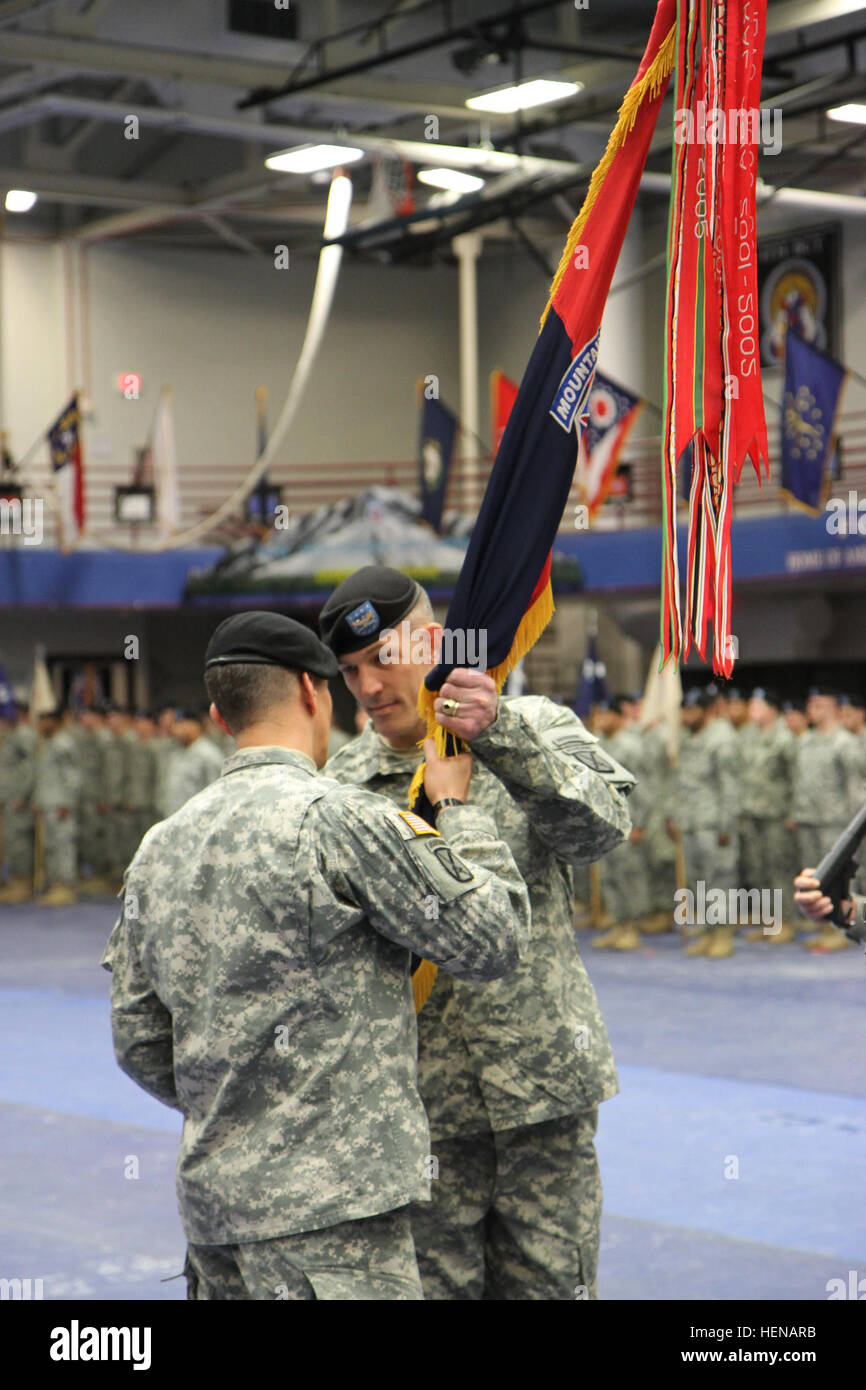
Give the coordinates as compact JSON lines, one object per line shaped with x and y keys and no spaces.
{"x":625,"y":871}
{"x":198,"y":763}
{"x":767,"y":841}
{"x":828,"y":788}
{"x":17,"y":773}
{"x":511,"y":1073}
{"x":260,"y":984}
{"x":56,"y":792}
{"x":707,"y":807}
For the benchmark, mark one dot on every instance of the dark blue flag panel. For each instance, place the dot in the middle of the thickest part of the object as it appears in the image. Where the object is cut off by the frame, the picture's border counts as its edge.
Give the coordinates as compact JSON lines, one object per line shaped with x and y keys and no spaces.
{"x":435,"y":449}
{"x":813,"y":389}
{"x":526,"y":494}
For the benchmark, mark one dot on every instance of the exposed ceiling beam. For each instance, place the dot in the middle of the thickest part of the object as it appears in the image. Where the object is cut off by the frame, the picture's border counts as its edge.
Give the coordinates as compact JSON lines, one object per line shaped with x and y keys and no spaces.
{"x":99,"y":55}
{"x":805,"y":14}
{"x":16,"y":9}
{"x":75,"y":54}
{"x":91,"y":189}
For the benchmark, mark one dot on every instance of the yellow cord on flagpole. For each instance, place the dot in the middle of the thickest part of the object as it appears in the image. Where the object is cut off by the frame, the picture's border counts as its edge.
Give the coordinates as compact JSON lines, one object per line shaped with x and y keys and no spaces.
{"x":649,"y":85}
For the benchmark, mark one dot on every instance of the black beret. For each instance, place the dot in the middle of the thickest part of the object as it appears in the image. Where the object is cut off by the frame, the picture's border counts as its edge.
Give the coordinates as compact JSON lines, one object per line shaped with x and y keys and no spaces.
{"x":612,"y":703}
{"x":268,"y":639}
{"x":853,"y":699}
{"x":765,"y":692}
{"x":822,"y":688}
{"x":369,"y":602}
{"x":731,"y":692}
{"x":701,"y":698}
{"x":794,"y":703}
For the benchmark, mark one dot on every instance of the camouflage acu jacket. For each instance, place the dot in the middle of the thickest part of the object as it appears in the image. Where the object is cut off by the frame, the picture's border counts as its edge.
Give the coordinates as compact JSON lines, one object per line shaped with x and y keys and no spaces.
{"x":707,"y":779}
{"x":532,"y":1046}
{"x":767,"y":776}
{"x":260,"y":984}
{"x":828,"y":787}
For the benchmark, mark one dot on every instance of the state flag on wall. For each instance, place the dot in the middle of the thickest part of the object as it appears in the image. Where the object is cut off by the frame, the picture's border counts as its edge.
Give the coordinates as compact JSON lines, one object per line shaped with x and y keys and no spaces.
{"x":611,"y":411}
{"x":64,"y":441}
{"x":813,"y":392}
{"x":435,"y":450}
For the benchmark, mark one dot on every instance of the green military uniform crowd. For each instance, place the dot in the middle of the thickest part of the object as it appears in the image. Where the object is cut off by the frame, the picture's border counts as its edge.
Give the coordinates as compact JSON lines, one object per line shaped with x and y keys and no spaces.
{"x":79,"y":791}
{"x":758,"y":789}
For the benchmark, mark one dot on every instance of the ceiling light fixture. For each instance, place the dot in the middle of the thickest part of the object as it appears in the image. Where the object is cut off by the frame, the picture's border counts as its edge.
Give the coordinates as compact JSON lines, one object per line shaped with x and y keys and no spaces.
{"x":19,"y":200}
{"x":855,"y":112}
{"x":309,"y":159}
{"x":455,"y":180}
{"x":537,"y":92}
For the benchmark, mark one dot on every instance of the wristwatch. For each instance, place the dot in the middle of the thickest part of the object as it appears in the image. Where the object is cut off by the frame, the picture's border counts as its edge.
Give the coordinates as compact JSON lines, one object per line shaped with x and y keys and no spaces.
{"x":446,"y":801}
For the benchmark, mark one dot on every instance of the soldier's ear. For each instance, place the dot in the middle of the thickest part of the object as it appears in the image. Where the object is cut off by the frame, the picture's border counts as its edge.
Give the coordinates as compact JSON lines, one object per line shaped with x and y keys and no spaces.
{"x":216,"y":718}
{"x":308,"y":692}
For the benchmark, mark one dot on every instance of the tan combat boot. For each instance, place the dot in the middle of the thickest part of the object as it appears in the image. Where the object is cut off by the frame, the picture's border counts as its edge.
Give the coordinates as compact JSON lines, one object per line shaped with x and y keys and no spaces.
{"x":17,"y":890}
{"x":608,"y":939}
{"x":699,"y":945}
{"x":829,"y":938}
{"x":628,"y":938}
{"x":657,"y":922}
{"x":721,"y":943}
{"x":786,"y":933}
{"x":58,"y":895}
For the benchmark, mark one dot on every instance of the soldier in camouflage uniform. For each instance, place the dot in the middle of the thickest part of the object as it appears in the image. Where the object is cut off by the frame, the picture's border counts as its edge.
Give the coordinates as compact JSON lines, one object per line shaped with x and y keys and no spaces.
{"x":17,"y":774}
{"x":166,"y":748}
{"x":198,"y":763}
{"x":56,"y":791}
{"x":116,"y":784}
{"x":852,"y":717}
{"x":260,"y":984}
{"x":142,"y":780}
{"x":768,"y":846}
{"x":659,"y":792}
{"x":707,"y":806}
{"x":511,"y":1073}
{"x":625,"y":870}
{"x":94,"y":860}
{"x":828,"y":789}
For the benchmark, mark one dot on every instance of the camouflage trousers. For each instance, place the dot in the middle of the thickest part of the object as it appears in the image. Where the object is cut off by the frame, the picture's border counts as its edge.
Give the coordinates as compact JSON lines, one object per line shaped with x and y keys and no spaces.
{"x":709,"y":862}
{"x":625,"y":881}
{"x":59,"y":841}
{"x":516,"y":1214}
{"x":17,"y":852}
{"x":813,"y":841}
{"x":92,"y":839}
{"x":661,"y":864}
{"x":372,"y":1260}
{"x":767,"y":859}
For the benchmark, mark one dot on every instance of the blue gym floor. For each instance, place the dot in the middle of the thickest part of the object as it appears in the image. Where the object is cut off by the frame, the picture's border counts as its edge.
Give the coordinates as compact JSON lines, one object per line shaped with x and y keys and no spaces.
{"x":734,"y":1159}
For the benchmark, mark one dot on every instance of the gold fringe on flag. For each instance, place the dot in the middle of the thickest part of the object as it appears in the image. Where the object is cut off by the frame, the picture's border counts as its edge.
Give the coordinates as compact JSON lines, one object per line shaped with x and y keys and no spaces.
{"x":648,"y":86}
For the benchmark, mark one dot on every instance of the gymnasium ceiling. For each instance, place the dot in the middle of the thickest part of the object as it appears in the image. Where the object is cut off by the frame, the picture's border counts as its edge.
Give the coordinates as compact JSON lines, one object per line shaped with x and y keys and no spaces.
{"x":215,"y":92}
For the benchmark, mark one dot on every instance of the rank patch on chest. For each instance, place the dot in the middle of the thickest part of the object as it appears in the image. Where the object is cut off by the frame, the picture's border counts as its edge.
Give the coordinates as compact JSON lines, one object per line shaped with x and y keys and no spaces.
{"x":416,"y":823}
{"x":364,"y":619}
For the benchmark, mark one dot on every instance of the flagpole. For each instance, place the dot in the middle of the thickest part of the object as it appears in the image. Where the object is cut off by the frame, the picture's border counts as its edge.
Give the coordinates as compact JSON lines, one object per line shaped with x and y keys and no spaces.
{"x":467,"y":249}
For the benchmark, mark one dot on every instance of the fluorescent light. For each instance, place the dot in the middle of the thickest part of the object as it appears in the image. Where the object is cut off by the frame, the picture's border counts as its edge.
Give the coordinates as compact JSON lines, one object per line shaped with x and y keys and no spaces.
{"x":538,"y":92}
{"x":307,"y":159}
{"x":854,"y":111}
{"x":19,"y":200}
{"x":453,"y":179}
